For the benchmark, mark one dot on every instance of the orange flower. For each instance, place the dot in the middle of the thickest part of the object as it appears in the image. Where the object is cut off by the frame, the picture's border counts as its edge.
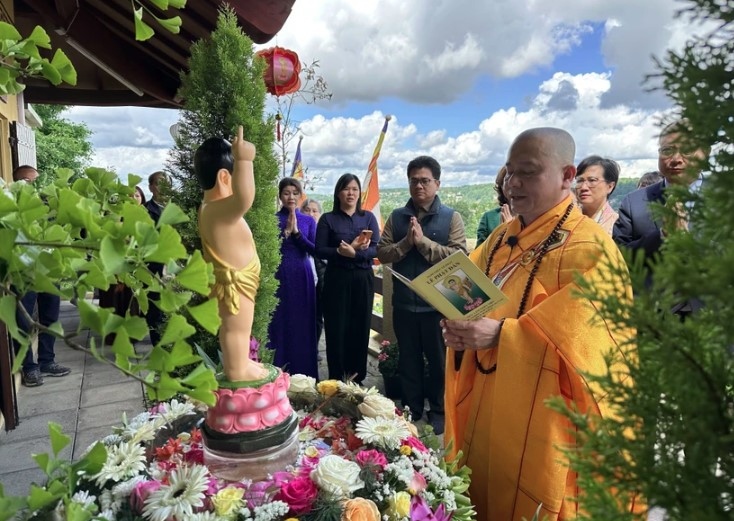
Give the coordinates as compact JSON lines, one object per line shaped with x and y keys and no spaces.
{"x":168,"y":450}
{"x":360,"y":509}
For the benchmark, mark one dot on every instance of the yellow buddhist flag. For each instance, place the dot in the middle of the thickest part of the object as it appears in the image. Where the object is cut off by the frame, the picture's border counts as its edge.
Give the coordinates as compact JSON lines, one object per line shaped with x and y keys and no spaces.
{"x":371,"y":186}
{"x":297,"y":171}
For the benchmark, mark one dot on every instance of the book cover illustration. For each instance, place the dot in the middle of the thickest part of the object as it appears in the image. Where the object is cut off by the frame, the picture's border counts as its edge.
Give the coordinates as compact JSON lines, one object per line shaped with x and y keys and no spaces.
{"x":456,"y":288}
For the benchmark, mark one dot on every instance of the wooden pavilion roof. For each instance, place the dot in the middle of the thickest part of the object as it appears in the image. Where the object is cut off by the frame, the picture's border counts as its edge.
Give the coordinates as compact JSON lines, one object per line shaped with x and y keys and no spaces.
{"x":115,"y":69}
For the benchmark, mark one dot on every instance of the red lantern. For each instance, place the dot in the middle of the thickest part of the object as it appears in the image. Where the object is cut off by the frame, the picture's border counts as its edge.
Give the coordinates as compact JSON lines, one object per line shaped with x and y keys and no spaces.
{"x":283,"y":72}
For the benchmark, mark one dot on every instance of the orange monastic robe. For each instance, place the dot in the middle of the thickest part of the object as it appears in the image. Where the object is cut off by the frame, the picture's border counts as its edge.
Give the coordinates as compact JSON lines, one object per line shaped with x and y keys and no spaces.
{"x":508,"y":436}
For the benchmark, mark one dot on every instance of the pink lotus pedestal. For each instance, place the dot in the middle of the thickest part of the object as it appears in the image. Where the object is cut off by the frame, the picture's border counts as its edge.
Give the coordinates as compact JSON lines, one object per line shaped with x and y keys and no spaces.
{"x":252,"y":430}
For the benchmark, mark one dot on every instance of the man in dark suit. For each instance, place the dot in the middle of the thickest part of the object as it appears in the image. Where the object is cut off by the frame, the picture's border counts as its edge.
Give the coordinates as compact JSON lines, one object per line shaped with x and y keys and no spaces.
{"x":157,"y":183}
{"x":636,"y":228}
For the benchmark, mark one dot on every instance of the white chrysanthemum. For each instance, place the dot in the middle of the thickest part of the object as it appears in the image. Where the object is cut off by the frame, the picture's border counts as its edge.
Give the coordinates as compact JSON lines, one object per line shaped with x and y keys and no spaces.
{"x":111,"y":439}
{"x":384,"y":432}
{"x":108,"y":502}
{"x":84,"y":498}
{"x":123,"y":461}
{"x":107,"y":515}
{"x":177,"y":499}
{"x":124,"y":489}
{"x":140,"y":419}
{"x":174,"y":409}
{"x":140,"y":433}
{"x":205,"y":516}
{"x":356,"y":390}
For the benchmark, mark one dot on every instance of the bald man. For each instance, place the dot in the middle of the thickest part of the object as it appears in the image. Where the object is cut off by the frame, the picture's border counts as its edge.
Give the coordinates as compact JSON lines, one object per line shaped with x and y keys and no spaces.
{"x":502,"y":368}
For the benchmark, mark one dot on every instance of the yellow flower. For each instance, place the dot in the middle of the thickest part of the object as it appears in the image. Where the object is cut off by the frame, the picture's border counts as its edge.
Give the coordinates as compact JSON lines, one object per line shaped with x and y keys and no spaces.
{"x":228,"y":501}
{"x":360,"y":509}
{"x":292,"y":519}
{"x":328,"y":387}
{"x":399,"y":505}
{"x":406,"y":450}
{"x":311,"y":452}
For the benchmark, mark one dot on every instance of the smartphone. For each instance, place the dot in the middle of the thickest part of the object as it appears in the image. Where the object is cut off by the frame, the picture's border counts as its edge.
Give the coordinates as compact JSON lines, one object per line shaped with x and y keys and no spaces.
{"x":365,"y":236}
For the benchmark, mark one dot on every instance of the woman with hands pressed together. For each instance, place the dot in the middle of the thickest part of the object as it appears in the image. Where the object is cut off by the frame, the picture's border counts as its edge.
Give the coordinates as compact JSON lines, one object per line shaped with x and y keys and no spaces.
{"x":347,"y":239}
{"x":292,"y":330}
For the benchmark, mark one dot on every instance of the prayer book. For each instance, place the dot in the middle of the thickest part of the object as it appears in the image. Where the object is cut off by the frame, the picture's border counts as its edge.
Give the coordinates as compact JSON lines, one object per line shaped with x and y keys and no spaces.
{"x":456,"y":288}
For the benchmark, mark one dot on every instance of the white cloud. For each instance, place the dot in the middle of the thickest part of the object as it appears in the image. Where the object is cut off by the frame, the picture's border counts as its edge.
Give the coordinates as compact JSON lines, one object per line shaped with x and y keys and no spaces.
{"x":432,"y":53}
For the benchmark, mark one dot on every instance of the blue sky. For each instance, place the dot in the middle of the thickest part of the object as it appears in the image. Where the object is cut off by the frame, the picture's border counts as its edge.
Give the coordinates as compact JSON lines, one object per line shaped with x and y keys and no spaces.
{"x":460,"y":79}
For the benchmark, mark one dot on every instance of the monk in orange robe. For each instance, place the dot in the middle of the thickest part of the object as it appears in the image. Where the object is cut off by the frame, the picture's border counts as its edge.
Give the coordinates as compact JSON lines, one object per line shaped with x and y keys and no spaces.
{"x":535,"y":346}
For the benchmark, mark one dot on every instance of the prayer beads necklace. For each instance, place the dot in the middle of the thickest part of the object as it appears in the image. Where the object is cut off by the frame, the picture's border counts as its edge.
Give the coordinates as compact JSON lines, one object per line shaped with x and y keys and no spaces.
{"x":526,"y":292}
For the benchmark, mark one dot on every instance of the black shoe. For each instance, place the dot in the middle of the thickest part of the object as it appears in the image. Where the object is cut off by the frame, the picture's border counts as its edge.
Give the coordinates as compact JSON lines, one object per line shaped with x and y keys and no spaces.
{"x":32,"y":378}
{"x":54,"y":369}
{"x":436,"y":420}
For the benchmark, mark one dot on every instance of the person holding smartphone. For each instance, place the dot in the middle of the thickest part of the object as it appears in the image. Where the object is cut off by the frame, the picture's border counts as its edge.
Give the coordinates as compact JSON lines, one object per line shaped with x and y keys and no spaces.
{"x":347,"y":239}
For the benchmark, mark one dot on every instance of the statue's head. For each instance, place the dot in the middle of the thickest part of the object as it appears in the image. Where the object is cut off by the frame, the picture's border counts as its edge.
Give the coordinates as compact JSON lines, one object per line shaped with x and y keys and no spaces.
{"x":212,"y":156}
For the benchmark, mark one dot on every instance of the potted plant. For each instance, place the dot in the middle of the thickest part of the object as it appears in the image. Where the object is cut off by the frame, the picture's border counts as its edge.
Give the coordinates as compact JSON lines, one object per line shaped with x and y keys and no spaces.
{"x":387,"y":364}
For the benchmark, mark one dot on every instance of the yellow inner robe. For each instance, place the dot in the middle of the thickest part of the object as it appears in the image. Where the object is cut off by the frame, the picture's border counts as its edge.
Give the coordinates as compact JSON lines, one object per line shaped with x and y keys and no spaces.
{"x":507,"y":434}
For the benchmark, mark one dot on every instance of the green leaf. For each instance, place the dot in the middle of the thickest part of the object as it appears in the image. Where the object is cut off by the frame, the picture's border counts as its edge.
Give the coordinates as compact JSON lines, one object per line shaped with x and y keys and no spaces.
{"x":160,"y":4}
{"x":40,"y":37}
{"x":207,"y":315}
{"x":177,"y":328}
{"x":182,"y":354}
{"x":7,"y":315}
{"x":178,"y":4}
{"x":50,"y":72}
{"x":8,"y":32}
{"x":169,"y":246}
{"x":93,"y":460}
{"x":76,"y":511}
{"x":172,"y":214}
{"x":171,"y":300}
{"x":30,"y":49}
{"x":172,"y":25}
{"x":40,"y":498}
{"x":136,"y":327}
{"x":63,"y":64}
{"x":59,"y":440}
{"x":90,"y":316}
{"x":112,"y":255}
{"x":142,"y":30}
{"x":43,"y":461}
{"x":196,"y":274}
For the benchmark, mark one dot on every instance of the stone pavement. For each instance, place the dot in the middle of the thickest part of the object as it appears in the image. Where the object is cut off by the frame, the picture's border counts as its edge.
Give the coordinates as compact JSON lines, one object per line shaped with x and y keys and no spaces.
{"x":87,"y":403}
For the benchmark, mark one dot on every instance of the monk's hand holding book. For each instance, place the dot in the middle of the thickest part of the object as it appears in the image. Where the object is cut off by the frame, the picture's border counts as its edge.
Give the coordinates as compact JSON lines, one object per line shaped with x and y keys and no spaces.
{"x":483,"y":333}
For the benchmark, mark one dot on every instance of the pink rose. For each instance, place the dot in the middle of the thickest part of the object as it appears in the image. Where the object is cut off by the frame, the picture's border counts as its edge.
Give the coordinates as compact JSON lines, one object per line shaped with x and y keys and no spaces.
{"x":140,"y":493}
{"x":299,"y":494}
{"x":371,"y":457}
{"x":414,"y":443}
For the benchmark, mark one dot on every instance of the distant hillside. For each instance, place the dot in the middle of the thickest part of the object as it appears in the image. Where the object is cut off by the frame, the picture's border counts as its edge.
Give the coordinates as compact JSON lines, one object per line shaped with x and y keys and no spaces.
{"x":471,"y":201}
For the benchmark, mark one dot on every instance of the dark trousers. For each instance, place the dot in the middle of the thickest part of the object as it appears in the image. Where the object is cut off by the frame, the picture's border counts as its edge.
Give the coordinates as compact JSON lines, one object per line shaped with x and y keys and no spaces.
{"x":347,"y":301}
{"x":154,"y":317}
{"x":48,"y":313}
{"x":419,"y":335}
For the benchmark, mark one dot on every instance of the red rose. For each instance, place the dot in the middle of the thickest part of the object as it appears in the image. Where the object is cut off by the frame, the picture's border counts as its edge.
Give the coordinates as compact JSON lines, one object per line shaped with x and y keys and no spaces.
{"x":299,"y":494}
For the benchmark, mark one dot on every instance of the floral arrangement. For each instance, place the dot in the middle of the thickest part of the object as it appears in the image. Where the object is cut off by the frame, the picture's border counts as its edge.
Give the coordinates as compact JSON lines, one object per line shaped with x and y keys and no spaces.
{"x":387,"y":359}
{"x":360,"y":459}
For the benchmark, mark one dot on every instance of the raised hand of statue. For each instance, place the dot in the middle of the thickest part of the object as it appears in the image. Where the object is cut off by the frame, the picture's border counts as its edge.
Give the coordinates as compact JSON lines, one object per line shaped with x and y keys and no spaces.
{"x":242,"y":150}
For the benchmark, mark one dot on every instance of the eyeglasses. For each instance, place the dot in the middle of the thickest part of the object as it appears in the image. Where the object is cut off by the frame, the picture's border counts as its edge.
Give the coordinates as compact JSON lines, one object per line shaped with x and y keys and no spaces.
{"x":423,"y":181}
{"x":590,"y":181}
{"x":671,"y":150}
